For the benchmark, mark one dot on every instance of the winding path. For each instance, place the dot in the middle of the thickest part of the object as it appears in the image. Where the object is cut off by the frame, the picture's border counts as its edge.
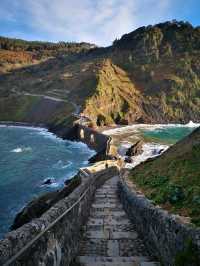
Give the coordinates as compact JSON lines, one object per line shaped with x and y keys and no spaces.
{"x":109,"y":238}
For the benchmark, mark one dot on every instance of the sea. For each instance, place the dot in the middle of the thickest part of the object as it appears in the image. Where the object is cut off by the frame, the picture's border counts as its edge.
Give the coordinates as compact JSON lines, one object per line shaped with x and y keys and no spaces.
{"x":157,"y":138}
{"x":28,"y":157}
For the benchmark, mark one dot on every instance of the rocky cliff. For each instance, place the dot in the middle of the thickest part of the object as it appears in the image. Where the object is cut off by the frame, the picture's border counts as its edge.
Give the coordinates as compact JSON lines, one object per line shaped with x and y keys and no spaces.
{"x":150,"y":75}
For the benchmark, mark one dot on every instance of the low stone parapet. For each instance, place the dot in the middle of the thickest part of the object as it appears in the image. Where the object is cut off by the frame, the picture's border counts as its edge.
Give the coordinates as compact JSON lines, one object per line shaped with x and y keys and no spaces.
{"x":166,"y":235}
{"x":53,"y":238}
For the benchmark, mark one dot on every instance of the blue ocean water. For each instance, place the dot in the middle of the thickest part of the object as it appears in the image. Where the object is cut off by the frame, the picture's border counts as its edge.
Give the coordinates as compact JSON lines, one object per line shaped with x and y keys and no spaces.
{"x":28,"y":156}
{"x":166,"y":134}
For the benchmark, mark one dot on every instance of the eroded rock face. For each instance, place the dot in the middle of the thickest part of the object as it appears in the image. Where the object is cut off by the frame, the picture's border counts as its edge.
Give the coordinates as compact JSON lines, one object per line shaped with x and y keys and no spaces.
{"x":101,"y":156}
{"x":128,"y":159}
{"x":135,"y":149}
{"x":116,"y":99}
{"x":41,"y":204}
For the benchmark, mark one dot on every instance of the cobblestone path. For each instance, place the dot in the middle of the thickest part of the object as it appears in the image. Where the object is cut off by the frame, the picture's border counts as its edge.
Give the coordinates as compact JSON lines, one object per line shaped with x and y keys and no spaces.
{"x":110,"y":239}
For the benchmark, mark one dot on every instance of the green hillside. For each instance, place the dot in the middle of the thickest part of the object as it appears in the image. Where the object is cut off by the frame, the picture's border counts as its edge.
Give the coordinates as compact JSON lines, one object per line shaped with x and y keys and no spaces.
{"x":151,"y":75}
{"x":173,"y":179}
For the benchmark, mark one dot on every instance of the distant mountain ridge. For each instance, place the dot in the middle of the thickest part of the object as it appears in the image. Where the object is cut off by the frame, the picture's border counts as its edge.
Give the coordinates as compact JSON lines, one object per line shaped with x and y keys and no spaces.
{"x":14,"y":44}
{"x":151,"y":75}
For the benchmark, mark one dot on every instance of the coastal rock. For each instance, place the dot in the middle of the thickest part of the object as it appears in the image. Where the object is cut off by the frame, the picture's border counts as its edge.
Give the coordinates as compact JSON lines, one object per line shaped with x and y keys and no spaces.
{"x":160,"y":151}
{"x":67,"y":181}
{"x":128,"y":159}
{"x":102,"y":156}
{"x":48,"y":181}
{"x":38,"y":206}
{"x":157,"y":151}
{"x":135,"y":149}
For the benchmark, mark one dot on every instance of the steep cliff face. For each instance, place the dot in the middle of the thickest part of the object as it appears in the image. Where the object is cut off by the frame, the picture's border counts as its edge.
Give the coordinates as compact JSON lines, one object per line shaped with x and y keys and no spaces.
{"x":151,"y":75}
{"x":164,"y":62}
{"x":116,"y":100}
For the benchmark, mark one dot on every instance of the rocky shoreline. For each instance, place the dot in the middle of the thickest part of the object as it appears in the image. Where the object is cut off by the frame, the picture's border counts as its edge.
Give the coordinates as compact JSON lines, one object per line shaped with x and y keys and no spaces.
{"x":41,"y":204}
{"x":45,"y":204}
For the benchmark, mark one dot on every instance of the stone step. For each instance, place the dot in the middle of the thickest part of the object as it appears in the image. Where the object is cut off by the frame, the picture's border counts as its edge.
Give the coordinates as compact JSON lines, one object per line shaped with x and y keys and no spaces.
{"x":106,"y":209}
{"x":115,"y":261}
{"x":106,"y":195}
{"x":108,"y":233}
{"x":114,"y":228}
{"x":104,"y":213}
{"x":106,"y":200}
{"x":106,"y":190}
{"x":110,"y":247}
{"x":109,"y":237}
{"x":109,"y":221}
{"x":107,"y":205}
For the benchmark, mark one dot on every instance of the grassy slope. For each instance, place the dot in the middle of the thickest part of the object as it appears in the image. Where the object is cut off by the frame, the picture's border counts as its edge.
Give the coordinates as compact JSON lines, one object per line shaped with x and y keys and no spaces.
{"x":34,"y":109}
{"x":173,"y":179}
{"x":17,"y":53}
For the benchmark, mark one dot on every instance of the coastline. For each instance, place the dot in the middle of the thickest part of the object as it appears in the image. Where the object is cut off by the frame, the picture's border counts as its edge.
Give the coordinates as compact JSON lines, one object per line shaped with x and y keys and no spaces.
{"x":21,"y":124}
{"x":34,"y":202}
{"x":49,"y":217}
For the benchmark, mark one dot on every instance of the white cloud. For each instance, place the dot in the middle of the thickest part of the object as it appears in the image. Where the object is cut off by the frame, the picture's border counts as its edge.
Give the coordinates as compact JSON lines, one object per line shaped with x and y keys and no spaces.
{"x":98,"y":21}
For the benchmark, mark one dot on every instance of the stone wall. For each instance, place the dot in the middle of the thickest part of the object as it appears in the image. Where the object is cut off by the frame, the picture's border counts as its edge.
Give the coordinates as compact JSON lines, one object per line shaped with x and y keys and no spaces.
{"x":94,"y":139}
{"x":58,"y":245}
{"x":165,"y":235}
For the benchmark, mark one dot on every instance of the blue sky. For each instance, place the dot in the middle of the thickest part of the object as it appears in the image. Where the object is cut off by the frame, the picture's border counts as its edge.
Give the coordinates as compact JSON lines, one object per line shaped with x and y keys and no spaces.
{"x":95,"y":21}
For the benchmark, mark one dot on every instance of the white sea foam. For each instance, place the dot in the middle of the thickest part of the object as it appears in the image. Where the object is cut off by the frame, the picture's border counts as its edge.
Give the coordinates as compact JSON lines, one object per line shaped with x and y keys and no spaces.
{"x":22,"y":149}
{"x":134,"y":128}
{"x":24,"y":127}
{"x":82,"y":147}
{"x":54,"y":182}
{"x":17,"y":150}
{"x":54,"y":185}
{"x":150,"y":150}
{"x":61,"y":165}
{"x":46,"y":134}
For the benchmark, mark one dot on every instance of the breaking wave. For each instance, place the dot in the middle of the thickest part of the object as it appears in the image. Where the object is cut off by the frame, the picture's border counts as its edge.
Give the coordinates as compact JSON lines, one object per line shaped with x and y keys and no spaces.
{"x":150,"y":150}
{"x":136,"y":127}
{"x":21,"y":149}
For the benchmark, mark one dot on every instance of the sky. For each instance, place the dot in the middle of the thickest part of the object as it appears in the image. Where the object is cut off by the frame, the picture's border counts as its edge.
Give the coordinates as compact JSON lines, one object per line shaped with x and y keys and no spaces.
{"x":94,"y":21}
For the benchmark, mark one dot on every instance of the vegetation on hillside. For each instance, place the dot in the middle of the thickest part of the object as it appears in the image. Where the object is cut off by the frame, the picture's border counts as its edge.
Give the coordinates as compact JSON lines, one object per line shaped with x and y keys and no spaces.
{"x":115,"y":99}
{"x":151,"y":75}
{"x":32,"y":46}
{"x":173,"y":179}
{"x":162,"y":63}
{"x":35,"y":109}
{"x":16,"y":53}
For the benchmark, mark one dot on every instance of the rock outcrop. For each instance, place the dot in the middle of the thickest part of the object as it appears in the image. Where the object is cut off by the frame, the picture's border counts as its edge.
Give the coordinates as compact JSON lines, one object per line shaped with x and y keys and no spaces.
{"x":38,"y":206}
{"x":135,"y":149}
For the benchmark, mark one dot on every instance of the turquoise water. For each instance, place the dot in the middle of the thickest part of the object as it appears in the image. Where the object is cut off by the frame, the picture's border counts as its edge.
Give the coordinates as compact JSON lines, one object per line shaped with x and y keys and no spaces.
{"x":29,"y":156}
{"x":166,"y":134}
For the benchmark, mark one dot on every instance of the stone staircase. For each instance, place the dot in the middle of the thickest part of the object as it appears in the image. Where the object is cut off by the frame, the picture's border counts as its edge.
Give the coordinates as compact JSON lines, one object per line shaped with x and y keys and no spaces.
{"x":110,"y":239}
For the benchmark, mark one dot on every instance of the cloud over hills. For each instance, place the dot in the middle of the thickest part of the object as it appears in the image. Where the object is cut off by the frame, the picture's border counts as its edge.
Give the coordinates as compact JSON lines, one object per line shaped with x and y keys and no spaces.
{"x":96,"y":21}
